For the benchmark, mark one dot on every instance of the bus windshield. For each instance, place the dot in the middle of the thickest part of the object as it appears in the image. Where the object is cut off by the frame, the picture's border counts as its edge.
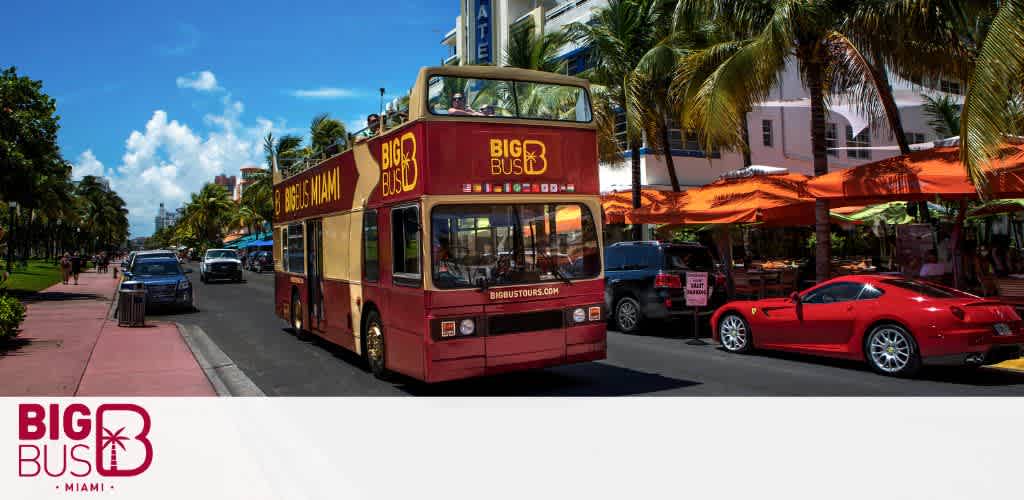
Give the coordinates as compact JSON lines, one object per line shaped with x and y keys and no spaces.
{"x":482,"y":245}
{"x":453,"y":96}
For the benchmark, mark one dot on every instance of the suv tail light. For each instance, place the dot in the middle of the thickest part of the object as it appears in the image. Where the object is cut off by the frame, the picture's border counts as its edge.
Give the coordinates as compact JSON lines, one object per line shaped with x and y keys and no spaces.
{"x":663,"y":280}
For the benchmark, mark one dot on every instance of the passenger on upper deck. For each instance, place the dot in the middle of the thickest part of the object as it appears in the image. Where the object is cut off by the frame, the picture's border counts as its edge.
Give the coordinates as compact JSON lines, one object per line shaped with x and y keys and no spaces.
{"x":458,"y":107}
{"x":487,"y":110}
{"x":372,"y":128}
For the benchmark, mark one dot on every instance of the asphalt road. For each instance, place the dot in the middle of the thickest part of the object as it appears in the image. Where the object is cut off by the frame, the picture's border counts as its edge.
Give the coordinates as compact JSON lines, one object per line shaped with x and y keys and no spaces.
{"x":240,"y":319}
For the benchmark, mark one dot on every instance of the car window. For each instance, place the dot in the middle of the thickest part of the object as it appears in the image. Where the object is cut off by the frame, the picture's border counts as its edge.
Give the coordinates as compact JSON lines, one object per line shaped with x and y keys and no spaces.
{"x":147,"y":267}
{"x":688,"y":259}
{"x":613,"y":259}
{"x":221,"y":254}
{"x":926,"y":289}
{"x":835,"y":292}
{"x":870,"y":292}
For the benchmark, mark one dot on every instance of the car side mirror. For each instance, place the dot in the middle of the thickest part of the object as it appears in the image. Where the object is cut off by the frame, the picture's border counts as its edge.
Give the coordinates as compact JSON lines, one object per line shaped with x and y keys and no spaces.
{"x":188,"y":271}
{"x":794,"y":297}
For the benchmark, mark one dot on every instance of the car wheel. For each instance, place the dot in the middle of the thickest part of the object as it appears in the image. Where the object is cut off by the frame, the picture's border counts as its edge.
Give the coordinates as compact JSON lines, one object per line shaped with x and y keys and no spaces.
{"x":891,"y":350}
{"x":375,"y":350}
{"x":296,"y":313}
{"x":627,"y":315}
{"x":734,"y":333}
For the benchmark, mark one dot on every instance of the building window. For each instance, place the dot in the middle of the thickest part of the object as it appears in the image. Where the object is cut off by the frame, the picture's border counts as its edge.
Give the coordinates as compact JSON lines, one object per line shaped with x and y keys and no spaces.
{"x":578,"y":62}
{"x":686,"y":142}
{"x":915,"y":138}
{"x":949,"y":87}
{"x":371,"y":247}
{"x":296,"y":249}
{"x":862,"y":140}
{"x":766,"y":133}
{"x":405,"y":245}
{"x":831,"y":140}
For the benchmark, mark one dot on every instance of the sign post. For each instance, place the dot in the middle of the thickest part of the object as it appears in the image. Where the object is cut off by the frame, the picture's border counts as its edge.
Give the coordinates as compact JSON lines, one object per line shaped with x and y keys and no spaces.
{"x":696,"y":296}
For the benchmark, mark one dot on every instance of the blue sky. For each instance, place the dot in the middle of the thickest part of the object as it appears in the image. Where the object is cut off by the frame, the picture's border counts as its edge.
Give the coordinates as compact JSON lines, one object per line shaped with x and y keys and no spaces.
{"x":160,"y":97}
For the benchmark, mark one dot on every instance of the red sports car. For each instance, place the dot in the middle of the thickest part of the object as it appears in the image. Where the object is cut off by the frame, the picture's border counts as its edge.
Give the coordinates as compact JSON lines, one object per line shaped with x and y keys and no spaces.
{"x":895,"y":324}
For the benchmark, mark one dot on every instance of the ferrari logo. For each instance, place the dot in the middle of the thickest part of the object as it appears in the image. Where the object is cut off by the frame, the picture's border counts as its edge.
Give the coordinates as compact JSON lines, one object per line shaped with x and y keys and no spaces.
{"x":753,"y":311}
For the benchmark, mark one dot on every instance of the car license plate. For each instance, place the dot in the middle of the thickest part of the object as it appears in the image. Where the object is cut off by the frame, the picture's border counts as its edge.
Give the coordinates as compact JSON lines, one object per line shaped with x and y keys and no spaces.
{"x":1003,"y":329}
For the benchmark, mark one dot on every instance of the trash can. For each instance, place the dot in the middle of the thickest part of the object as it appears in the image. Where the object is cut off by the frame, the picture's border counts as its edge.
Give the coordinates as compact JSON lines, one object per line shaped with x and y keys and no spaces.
{"x":131,"y":304}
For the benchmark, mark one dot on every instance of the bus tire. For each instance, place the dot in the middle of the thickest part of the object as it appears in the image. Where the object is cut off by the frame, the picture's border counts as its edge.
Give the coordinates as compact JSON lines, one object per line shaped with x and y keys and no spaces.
{"x":295,"y":314}
{"x":376,"y":353}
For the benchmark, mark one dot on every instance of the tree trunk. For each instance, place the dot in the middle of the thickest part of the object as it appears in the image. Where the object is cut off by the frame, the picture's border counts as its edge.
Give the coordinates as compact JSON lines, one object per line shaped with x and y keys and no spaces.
{"x":667,"y":151}
{"x":638,"y":230}
{"x":815,"y":71}
{"x":746,"y":142}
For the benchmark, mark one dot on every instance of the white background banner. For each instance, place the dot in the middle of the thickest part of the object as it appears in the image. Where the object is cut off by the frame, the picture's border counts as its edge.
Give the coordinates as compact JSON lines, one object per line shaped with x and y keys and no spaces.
{"x":623,"y":448}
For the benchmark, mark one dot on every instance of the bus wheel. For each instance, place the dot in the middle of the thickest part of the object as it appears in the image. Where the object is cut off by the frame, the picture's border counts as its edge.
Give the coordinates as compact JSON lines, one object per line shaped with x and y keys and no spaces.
{"x":296,"y":316}
{"x":375,"y":349}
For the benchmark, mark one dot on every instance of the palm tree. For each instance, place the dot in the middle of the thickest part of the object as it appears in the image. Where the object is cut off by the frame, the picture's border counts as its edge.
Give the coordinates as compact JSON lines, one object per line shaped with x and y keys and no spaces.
{"x":287,"y":149}
{"x":528,"y":51}
{"x":619,"y":35}
{"x":325,"y":131}
{"x":207,"y":213}
{"x":815,"y":35}
{"x":113,"y":440}
{"x":995,"y":82}
{"x":943,"y":114}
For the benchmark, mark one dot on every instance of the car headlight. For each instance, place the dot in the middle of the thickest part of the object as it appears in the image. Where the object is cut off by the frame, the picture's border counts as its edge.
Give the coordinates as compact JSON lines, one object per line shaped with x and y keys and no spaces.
{"x":467,"y":326}
{"x":184,"y":285}
{"x":579,"y":315}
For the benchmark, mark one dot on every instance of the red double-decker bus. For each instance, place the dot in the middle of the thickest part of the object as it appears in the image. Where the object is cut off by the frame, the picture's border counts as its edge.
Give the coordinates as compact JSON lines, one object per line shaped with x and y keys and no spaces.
{"x":464,"y":241}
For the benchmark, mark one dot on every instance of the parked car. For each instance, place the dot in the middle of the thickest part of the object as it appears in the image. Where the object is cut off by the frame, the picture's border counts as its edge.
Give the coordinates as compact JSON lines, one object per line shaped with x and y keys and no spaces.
{"x":220,"y":264}
{"x":644,"y":280}
{"x":260,"y":261}
{"x":893,"y":323}
{"x":165,"y":281}
{"x":132,"y":257}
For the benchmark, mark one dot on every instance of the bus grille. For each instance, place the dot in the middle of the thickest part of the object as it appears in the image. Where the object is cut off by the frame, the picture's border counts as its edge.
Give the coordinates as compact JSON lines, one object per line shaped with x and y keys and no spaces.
{"x":524,"y":322}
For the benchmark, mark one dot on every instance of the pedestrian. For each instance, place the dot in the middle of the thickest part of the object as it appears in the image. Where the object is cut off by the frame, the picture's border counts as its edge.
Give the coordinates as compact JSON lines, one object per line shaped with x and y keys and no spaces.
{"x":76,"y":266}
{"x":65,"y":267}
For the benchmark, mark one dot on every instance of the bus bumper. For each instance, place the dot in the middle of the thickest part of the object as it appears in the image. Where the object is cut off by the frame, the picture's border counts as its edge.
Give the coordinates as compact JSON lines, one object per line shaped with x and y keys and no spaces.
{"x":465,"y":358}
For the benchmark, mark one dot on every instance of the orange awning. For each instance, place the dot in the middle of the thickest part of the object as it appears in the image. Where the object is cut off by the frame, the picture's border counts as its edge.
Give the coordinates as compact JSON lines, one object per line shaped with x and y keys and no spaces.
{"x":770,"y":199}
{"x":919,"y":176}
{"x":618,"y":205}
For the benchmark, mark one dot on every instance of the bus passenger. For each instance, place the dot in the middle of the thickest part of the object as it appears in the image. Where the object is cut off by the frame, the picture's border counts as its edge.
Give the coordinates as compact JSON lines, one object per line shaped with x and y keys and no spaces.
{"x":458,"y":107}
{"x":372,"y":127}
{"x":487,"y":110}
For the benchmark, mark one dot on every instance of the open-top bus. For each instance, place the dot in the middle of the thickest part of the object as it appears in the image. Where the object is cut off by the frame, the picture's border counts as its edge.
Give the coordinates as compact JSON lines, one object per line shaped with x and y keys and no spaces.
{"x":465,"y":241}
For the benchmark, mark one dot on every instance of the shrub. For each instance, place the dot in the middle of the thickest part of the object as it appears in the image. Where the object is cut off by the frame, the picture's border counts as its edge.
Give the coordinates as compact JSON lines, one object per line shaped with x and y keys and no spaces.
{"x":12,"y":313}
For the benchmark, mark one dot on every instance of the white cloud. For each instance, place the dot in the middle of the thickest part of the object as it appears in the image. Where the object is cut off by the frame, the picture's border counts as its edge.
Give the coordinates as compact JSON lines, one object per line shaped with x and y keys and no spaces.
{"x":326,"y":93}
{"x":203,"y":81}
{"x":87,"y":164}
{"x":168,"y":160}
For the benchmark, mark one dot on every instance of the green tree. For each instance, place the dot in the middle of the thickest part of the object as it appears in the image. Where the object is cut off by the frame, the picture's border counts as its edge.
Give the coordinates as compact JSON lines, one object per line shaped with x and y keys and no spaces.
{"x":325,"y":131}
{"x":619,"y":35}
{"x":943,"y":114}
{"x":206,"y":215}
{"x":527,"y":50}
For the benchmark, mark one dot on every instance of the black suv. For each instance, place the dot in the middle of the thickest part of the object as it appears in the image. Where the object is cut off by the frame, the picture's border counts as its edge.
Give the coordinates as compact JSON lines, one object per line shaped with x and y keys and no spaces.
{"x":645,"y":279}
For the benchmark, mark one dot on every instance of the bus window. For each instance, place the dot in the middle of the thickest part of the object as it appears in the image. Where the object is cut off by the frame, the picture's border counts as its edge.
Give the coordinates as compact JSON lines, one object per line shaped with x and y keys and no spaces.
{"x":296,"y":250}
{"x":371,"y":257}
{"x":506,"y":99}
{"x":545,"y":101}
{"x":405,"y":245}
{"x":512,"y":244}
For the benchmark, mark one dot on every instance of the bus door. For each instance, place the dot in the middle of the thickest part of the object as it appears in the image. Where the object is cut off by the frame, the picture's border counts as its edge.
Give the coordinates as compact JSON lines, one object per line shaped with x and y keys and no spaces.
{"x":404,"y":317}
{"x":314,"y":272}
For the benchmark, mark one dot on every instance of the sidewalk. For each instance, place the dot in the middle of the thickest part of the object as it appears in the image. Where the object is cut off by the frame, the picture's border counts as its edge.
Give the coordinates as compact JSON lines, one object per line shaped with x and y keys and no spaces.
{"x":69,"y":347}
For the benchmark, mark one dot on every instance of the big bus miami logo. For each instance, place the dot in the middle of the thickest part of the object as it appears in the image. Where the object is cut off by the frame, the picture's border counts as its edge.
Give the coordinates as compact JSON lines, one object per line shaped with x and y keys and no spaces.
{"x":320,"y":189}
{"x":76,"y":445}
{"x":518,"y":157}
{"x":399,"y":170}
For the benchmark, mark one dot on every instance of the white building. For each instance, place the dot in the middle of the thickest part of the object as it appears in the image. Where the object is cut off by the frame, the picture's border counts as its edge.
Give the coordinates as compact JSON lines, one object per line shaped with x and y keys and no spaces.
{"x":779,"y":128}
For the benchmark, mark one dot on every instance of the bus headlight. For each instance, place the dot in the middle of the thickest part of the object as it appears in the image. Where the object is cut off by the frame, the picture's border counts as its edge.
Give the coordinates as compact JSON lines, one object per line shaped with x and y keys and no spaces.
{"x":579,"y":315}
{"x":467,"y":327}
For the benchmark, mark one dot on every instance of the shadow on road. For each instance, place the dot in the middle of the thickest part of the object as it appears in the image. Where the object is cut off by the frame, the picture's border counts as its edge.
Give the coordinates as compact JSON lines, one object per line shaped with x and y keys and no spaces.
{"x":960,"y":375}
{"x":34,"y":297}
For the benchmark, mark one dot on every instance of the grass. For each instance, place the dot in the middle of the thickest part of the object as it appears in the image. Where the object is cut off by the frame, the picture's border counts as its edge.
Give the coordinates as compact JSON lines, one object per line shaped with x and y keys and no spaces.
{"x":38,"y":275}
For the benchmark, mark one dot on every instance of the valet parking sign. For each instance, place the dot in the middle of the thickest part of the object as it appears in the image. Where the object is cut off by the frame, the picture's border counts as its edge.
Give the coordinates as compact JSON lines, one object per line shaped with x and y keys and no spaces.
{"x":696,"y":289}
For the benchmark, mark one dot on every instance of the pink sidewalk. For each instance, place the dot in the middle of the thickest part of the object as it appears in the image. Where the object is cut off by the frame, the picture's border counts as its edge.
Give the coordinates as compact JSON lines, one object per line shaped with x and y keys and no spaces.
{"x":69,"y":347}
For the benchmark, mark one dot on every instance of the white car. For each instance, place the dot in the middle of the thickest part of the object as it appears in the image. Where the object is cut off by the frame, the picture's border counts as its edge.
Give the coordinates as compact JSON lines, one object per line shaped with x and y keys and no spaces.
{"x":220,"y":264}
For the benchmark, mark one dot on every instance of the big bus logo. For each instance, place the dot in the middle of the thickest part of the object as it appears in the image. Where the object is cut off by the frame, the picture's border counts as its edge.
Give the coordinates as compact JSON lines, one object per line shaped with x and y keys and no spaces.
{"x":399,"y":170}
{"x":518,"y":157}
{"x":72,"y":444}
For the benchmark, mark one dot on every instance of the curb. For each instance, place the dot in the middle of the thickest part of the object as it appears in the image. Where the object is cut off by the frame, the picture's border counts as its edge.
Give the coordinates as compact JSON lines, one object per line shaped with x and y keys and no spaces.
{"x":225,"y":377}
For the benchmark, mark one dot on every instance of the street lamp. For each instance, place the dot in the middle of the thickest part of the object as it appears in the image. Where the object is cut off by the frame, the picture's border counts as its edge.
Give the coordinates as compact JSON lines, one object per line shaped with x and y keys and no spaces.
{"x":12,"y":206}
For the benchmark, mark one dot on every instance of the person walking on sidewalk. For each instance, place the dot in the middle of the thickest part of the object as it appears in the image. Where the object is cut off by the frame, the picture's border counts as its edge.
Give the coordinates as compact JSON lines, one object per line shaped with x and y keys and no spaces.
{"x":65,"y":267}
{"x":76,"y":266}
